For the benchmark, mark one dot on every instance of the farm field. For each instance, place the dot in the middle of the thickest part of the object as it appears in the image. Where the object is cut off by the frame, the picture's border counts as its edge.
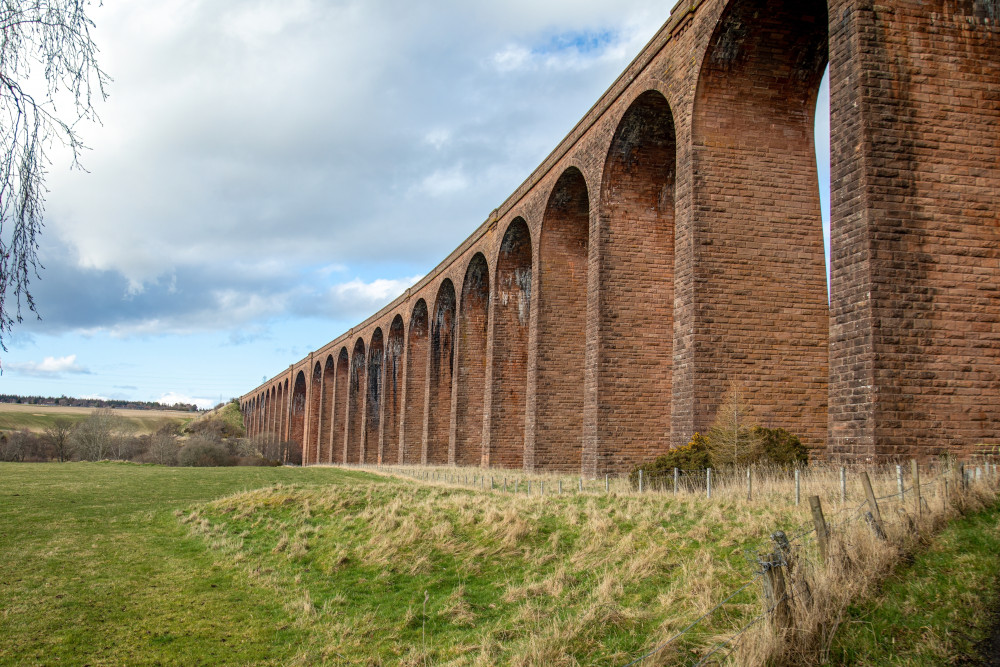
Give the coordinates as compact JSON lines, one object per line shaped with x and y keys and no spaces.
{"x":37,"y":418}
{"x":110,"y":563}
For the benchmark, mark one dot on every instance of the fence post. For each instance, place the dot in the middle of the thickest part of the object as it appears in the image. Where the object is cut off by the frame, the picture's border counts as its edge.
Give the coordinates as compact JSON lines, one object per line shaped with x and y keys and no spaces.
{"x":843,"y":485}
{"x":749,"y":484}
{"x":677,"y":480}
{"x":560,"y":487}
{"x":873,"y":505}
{"x":708,"y":482}
{"x":775,"y":598}
{"x":944,"y":499}
{"x":915,"y":475}
{"x":541,"y":488}
{"x":899,"y":481}
{"x":781,"y":541}
{"x":581,"y":484}
{"x":798,"y":492}
{"x":607,"y":483}
{"x":640,"y":480}
{"x":820,"y":523}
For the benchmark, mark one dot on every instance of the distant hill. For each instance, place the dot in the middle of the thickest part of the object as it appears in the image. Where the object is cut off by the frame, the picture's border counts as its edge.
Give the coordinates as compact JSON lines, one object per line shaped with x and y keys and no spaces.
{"x":65,"y":401}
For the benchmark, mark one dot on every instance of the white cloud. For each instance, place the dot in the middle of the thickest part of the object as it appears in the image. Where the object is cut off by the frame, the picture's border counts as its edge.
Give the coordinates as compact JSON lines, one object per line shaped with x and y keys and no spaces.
{"x":444,"y":182}
{"x":361,"y":296}
{"x":511,"y":57}
{"x":50,"y":367}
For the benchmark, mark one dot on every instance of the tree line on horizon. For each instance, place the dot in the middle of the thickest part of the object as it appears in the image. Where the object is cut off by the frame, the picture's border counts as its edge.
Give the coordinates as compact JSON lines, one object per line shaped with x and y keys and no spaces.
{"x":117,"y":404}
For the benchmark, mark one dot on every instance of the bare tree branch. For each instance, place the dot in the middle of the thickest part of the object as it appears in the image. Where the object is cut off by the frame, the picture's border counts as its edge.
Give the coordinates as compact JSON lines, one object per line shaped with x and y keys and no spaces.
{"x":40,"y":41}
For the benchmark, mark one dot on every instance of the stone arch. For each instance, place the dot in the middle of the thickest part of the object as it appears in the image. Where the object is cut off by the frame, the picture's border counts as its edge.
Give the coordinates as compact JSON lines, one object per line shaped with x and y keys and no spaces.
{"x":393,"y":392}
{"x":373,"y":397}
{"x":416,"y":384}
{"x":511,"y":326}
{"x":270,"y":430}
{"x":310,"y":454}
{"x":562,"y":324}
{"x":325,"y":435}
{"x":341,"y":387}
{"x":442,"y":364}
{"x":470,"y":380}
{"x":255,"y":418}
{"x":262,"y":417}
{"x":355,"y":404}
{"x":634,"y":369}
{"x":762,"y":306}
{"x":281,"y":413}
{"x":297,"y":420}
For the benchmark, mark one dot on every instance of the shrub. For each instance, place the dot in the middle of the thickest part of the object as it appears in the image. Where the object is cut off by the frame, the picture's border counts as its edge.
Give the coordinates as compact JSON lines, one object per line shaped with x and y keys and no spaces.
{"x":162,"y":448}
{"x":659,"y":473}
{"x":775,"y":446}
{"x":202,"y":452}
{"x":103,"y":435}
{"x":780,"y":447}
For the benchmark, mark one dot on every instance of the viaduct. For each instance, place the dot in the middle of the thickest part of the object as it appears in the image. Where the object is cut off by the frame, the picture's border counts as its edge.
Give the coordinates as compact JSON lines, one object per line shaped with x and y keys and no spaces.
{"x":672,"y":243}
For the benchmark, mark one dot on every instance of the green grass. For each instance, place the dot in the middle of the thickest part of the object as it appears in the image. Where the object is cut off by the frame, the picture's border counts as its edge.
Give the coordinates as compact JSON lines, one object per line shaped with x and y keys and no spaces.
{"x":108,"y":564}
{"x":934,"y":610}
{"x":96,"y":569}
{"x":396,"y":572}
{"x":228,"y":419}
{"x":111,"y":564}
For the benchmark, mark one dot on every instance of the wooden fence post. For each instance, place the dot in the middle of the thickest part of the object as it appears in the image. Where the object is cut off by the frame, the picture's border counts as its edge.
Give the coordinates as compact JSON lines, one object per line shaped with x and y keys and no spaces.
{"x":899,"y":481}
{"x":873,"y":505}
{"x":843,"y":484}
{"x":820,"y":524}
{"x":677,"y":480}
{"x":915,"y":475}
{"x":749,"y":484}
{"x":708,"y":482}
{"x":775,"y":597}
{"x":798,"y":494}
{"x":640,"y":480}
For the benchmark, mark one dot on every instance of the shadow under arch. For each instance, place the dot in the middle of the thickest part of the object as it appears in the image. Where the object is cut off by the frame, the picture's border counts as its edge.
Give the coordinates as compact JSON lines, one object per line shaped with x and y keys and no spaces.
{"x":373,"y":398}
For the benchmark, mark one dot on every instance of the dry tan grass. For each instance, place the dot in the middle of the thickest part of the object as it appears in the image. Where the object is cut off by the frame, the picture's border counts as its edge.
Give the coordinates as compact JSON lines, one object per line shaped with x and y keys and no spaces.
{"x":607,"y":562}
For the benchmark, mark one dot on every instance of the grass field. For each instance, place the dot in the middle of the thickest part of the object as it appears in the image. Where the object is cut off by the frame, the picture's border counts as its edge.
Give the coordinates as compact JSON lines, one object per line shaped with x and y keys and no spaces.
{"x":933,"y":609}
{"x":112,"y":564}
{"x":37,"y":418}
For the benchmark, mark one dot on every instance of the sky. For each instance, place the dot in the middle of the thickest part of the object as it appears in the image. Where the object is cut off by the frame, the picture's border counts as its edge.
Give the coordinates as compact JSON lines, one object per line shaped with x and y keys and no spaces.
{"x":268,"y":173}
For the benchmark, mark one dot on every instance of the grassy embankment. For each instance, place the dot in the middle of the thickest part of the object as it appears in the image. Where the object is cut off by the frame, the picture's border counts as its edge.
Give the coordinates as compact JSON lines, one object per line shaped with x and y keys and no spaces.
{"x":123,"y":564}
{"x":934,"y":609}
{"x":37,"y":418}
